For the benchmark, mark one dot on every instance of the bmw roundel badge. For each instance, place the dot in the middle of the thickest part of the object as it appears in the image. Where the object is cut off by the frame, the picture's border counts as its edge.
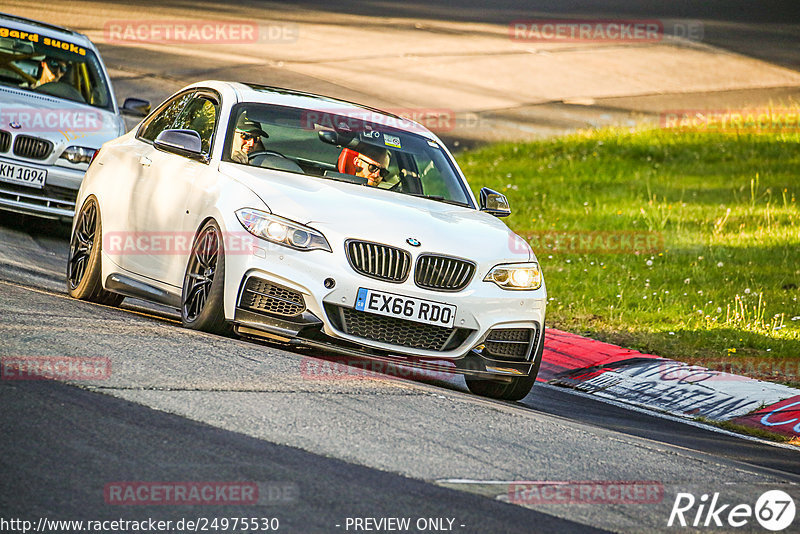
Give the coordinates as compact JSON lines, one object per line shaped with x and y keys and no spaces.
{"x":413,"y":242}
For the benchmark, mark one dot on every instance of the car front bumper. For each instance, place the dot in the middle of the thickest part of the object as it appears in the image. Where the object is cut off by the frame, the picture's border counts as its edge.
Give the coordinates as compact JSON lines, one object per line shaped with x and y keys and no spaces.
{"x":481,"y":307}
{"x":56,"y":200}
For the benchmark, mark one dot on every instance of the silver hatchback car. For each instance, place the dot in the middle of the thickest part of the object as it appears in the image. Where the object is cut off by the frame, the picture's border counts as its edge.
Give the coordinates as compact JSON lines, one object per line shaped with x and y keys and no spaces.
{"x":57,"y":108}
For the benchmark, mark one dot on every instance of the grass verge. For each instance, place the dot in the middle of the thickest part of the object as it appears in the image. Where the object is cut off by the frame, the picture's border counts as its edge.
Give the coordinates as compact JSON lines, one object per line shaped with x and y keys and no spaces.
{"x":681,"y":244}
{"x":748,"y":430}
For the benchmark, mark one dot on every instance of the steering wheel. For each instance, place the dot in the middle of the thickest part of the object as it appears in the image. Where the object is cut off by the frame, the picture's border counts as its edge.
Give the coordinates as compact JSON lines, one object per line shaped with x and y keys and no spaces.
{"x":252,"y":155}
{"x":62,"y":90}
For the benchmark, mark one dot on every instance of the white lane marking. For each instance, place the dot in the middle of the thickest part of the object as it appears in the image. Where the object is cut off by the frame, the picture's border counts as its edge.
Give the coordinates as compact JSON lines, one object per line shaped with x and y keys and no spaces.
{"x":668,"y":417}
{"x":471,"y":481}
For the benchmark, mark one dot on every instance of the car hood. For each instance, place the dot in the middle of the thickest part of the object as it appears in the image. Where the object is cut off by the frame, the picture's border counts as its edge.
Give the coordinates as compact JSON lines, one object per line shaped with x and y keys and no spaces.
{"x":347,"y":211}
{"x":63,"y":122}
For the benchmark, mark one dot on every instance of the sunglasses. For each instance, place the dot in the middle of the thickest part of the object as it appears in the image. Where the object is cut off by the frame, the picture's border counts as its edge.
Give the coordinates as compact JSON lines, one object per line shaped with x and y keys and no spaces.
{"x":247,"y":136}
{"x":56,"y":66}
{"x":372,"y":168}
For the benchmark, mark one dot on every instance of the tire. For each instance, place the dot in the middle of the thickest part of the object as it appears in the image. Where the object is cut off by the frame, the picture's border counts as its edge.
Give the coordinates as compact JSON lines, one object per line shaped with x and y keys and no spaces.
{"x":517,"y":389}
{"x":84,"y":271}
{"x":202,"y":298}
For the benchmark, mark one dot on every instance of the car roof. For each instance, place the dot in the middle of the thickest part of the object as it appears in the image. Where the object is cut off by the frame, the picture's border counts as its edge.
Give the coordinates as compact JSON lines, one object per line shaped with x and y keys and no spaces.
{"x":45,"y":29}
{"x":266,"y":94}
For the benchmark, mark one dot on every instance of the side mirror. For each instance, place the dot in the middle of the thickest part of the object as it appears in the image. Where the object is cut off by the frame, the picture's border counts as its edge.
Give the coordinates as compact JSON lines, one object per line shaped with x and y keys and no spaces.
{"x":182,"y":142}
{"x":494,"y":203}
{"x":136,"y":107}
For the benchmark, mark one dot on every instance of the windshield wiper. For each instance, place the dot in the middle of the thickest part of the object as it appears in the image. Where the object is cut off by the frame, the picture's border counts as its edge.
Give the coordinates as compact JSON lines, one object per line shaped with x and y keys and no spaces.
{"x":438,"y":198}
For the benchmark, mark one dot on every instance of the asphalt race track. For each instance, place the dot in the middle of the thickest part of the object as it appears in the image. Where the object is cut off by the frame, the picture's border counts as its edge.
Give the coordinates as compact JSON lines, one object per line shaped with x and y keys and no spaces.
{"x":184,"y":406}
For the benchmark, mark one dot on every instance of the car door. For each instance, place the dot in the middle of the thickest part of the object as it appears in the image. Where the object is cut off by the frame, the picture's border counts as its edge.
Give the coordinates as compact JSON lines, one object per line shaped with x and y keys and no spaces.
{"x":192,"y":178}
{"x":131,"y":161}
{"x":160,"y":213}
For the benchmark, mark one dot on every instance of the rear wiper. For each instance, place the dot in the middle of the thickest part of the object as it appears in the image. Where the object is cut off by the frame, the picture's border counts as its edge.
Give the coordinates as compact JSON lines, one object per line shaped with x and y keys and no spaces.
{"x":439,"y":199}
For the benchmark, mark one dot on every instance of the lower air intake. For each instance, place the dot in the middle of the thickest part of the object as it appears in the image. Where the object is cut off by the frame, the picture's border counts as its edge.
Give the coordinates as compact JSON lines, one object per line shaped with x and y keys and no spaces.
{"x":262,"y":296}
{"x":510,"y":343}
{"x":394,"y":331}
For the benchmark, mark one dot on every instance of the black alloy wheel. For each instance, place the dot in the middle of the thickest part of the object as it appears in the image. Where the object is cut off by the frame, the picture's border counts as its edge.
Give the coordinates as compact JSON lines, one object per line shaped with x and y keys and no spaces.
{"x":203,"y":285}
{"x":84,"y":262}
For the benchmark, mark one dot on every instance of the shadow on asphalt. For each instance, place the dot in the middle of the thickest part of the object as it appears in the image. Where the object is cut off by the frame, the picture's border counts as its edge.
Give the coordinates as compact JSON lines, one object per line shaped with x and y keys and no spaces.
{"x":35,"y":226}
{"x":49,"y":427}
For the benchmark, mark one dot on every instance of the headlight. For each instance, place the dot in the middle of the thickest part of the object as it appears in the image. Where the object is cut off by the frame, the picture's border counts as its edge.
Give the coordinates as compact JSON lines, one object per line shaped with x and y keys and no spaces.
{"x":78,"y":154}
{"x":281,"y":231}
{"x":516,"y":276}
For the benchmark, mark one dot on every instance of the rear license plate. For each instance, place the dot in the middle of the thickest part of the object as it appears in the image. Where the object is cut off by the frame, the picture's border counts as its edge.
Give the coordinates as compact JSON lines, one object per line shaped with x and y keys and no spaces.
{"x":402,"y":307}
{"x":22,"y":174}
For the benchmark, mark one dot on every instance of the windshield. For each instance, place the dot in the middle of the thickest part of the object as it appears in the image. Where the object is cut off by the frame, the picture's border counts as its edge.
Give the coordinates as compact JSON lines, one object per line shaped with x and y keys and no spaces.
{"x":344,"y":148}
{"x":33,"y":62}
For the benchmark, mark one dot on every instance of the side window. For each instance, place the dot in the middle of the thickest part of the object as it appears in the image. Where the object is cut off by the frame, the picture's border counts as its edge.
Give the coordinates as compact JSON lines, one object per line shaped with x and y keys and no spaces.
{"x":200,"y":115}
{"x":165,"y":118}
{"x":433,"y":184}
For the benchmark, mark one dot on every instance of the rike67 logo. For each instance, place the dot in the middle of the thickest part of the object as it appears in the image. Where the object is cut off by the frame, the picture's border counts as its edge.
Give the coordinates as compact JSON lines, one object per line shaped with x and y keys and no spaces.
{"x":774,"y":510}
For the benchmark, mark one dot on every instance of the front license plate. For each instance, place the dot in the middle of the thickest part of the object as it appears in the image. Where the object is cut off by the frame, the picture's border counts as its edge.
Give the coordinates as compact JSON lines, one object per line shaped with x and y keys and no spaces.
{"x":22,"y":174}
{"x":402,"y":307}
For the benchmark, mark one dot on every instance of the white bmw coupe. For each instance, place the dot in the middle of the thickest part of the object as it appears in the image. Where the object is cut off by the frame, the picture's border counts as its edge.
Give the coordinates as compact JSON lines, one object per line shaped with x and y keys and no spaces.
{"x":295,"y":217}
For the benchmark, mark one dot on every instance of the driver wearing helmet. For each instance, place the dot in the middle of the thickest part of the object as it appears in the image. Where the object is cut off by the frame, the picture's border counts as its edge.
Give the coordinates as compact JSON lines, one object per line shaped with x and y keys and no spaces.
{"x":247,"y":140}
